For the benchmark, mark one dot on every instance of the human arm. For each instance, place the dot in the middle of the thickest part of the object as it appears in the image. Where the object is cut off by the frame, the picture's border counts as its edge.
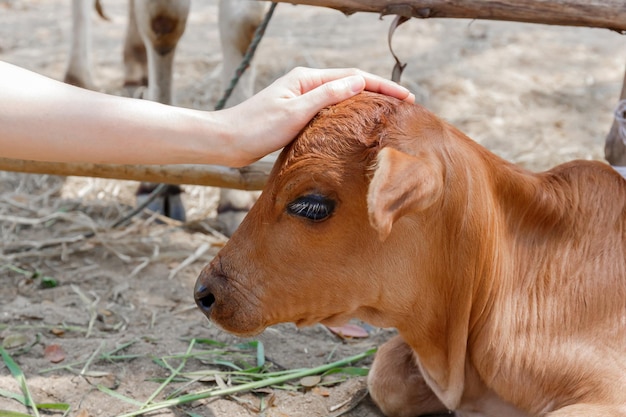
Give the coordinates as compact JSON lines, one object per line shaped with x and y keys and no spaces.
{"x":46,"y":120}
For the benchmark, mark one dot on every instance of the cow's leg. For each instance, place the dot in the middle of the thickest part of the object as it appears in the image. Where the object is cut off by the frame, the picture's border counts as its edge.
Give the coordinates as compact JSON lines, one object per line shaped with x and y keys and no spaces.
{"x":397,"y":385}
{"x":78,"y":70}
{"x":135,"y":58}
{"x":238,"y":20}
{"x":160,"y":24}
{"x":614,"y":148}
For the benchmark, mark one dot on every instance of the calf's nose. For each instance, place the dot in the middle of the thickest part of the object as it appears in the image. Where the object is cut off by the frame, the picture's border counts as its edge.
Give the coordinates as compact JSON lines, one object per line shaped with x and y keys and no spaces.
{"x":205,"y":299}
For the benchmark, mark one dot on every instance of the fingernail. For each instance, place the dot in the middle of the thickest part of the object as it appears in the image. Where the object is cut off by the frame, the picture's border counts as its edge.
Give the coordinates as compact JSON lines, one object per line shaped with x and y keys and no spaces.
{"x":357,"y":83}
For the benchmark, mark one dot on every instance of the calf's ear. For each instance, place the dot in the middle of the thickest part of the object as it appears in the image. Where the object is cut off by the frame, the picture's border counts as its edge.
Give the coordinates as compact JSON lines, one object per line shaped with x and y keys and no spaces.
{"x":401,"y":184}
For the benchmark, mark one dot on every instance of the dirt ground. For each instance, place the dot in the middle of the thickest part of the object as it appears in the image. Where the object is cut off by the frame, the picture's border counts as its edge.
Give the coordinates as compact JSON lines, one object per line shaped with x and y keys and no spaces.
{"x":533,"y":94}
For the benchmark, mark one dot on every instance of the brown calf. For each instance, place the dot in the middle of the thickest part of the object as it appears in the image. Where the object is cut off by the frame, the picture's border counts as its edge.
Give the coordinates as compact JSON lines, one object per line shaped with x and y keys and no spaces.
{"x":508,"y":288}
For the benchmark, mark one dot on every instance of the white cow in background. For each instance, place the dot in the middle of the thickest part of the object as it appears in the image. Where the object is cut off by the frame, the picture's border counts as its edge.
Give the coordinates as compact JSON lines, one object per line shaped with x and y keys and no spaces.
{"x":153,"y":31}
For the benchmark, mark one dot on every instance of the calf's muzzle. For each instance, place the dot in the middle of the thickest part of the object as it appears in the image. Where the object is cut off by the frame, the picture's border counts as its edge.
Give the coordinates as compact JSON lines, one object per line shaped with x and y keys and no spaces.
{"x":228,"y":302}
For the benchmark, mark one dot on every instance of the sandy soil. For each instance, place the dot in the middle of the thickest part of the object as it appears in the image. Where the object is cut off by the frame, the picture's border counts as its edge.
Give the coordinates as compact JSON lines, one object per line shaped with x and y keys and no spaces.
{"x":536,"y":95}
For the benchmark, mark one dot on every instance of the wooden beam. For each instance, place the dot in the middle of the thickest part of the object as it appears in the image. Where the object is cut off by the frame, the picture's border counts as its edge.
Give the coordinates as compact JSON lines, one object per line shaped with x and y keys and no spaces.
{"x":609,"y":14}
{"x":252,"y":177}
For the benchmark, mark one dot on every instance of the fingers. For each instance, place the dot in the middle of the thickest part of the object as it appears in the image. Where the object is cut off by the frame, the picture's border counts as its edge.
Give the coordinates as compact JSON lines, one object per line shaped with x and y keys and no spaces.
{"x":333,"y":92}
{"x":383,"y":86}
{"x":310,"y":79}
{"x":307,"y":105}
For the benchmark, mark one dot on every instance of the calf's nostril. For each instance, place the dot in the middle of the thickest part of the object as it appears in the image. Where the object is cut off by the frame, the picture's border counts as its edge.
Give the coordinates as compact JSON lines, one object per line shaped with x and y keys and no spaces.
{"x":206,"y":302}
{"x":204,"y":297}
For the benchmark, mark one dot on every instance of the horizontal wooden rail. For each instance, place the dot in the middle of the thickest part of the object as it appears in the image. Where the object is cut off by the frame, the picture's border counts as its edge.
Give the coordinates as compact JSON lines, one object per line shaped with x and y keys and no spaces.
{"x":609,"y":14}
{"x":252,"y":177}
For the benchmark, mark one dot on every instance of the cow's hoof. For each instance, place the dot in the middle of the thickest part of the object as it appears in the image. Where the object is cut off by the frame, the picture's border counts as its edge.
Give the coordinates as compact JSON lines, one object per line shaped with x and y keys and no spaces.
{"x":168,"y":203}
{"x":136,"y":89}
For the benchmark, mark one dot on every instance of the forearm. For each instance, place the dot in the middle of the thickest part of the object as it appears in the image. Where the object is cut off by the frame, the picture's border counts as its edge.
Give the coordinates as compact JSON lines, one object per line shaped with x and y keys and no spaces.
{"x":42,"y":119}
{"x":46,"y":120}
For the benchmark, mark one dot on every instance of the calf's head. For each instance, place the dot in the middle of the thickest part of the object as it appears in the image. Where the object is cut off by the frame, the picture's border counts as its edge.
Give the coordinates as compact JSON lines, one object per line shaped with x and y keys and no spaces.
{"x":333,"y":235}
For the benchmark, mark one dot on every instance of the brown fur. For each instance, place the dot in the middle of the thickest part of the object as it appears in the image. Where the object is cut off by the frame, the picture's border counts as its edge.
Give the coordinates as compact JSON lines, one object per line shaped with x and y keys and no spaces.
{"x":508,"y":287}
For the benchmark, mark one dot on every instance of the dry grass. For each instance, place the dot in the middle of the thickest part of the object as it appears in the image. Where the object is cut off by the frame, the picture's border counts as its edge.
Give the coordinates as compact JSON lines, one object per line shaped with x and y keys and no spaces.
{"x":36,"y":225}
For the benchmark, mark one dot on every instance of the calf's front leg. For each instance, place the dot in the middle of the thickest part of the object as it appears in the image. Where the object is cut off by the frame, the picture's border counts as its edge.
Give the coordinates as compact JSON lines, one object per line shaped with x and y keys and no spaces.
{"x":397,"y":385}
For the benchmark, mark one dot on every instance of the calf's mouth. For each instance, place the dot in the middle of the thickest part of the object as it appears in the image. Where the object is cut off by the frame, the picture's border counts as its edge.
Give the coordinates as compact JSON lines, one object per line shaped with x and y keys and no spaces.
{"x":230,"y":307}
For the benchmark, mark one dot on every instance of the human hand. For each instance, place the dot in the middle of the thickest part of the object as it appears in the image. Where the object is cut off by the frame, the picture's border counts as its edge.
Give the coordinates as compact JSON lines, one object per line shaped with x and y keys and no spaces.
{"x":272,"y":118}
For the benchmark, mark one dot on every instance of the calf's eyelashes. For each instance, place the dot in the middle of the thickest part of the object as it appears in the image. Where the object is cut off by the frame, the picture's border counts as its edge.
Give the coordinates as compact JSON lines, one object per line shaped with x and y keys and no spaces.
{"x":314,"y":207}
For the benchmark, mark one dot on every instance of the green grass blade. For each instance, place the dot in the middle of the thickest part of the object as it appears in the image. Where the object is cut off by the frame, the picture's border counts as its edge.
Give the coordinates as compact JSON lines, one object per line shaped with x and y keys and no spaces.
{"x":42,"y":406}
{"x":5,"y":413}
{"x":17,"y":397}
{"x":260,"y":355}
{"x":227,"y":364}
{"x":297,"y":374}
{"x":349,"y":370}
{"x":53,"y":406}
{"x":20,"y":378}
{"x":173,"y":375}
{"x":119,"y":396}
{"x":210,"y":342}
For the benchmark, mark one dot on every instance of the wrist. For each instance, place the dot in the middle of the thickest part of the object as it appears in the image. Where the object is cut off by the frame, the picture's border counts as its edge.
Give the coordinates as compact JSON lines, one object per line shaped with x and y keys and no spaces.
{"x":206,"y":137}
{"x":232,"y":147}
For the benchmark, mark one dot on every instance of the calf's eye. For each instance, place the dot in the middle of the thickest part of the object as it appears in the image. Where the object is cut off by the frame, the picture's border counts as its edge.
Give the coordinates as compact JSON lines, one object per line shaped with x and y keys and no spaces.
{"x":314,"y":207}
